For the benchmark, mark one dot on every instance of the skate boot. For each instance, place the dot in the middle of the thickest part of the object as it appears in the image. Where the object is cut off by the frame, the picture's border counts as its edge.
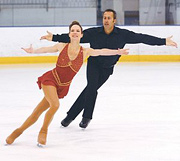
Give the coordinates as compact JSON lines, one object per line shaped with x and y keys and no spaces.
{"x":65,"y":122}
{"x":16,"y":133}
{"x":42,"y":138}
{"x":84,"y":122}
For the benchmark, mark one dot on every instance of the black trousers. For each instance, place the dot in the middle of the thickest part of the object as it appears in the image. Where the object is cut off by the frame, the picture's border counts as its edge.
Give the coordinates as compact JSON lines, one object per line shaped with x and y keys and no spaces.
{"x":96,"y":77}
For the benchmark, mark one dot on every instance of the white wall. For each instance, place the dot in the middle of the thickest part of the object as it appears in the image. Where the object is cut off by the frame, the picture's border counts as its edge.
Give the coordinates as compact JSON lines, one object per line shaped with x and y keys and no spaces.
{"x":130,"y":5}
{"x":152,"y":12}
{"x":12,"y":39}
{"x":41,"y":17}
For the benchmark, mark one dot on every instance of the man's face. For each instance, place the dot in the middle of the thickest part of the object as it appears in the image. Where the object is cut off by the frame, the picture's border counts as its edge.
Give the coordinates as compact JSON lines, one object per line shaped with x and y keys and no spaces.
{"x":108,"y":21}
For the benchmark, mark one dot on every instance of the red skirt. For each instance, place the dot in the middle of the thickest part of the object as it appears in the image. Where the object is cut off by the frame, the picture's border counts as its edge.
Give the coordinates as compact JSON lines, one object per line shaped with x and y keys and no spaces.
{"x":48,"y":79}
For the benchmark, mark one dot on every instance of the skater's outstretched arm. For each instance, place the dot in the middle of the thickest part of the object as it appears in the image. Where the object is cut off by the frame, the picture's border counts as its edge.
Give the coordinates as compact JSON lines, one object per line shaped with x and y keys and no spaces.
{"x":51,"y":49}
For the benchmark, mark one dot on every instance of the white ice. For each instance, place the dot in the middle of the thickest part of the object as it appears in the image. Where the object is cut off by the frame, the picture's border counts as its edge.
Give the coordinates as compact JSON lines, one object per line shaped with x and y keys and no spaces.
{"x":136,"y":118}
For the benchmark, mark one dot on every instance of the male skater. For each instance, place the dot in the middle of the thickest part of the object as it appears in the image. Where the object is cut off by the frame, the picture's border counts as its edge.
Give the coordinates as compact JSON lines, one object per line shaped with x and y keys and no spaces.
{"x":100,"y":68}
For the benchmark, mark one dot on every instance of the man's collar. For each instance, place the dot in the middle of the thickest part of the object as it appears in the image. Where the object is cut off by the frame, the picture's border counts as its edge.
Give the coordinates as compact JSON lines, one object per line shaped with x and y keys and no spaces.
{"x":101,"y":29}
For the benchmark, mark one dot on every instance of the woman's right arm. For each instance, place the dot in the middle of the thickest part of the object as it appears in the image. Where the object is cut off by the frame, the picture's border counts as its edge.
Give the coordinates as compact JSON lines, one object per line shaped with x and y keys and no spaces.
{"x":51,"y":49}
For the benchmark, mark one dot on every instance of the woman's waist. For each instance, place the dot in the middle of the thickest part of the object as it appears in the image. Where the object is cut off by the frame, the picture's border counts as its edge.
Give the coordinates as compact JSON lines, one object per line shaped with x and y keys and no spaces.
{"x":63,"y":78}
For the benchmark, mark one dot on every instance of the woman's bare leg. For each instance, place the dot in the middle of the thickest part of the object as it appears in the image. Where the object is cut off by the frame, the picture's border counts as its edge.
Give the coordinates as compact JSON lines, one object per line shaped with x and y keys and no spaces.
{"x":41,"y":107}
{"x":51,"y":96}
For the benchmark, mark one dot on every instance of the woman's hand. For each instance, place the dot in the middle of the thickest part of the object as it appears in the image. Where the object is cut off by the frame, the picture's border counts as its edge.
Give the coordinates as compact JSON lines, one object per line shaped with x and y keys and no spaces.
{"x":123,"y":51}
{"x":28,"y":50}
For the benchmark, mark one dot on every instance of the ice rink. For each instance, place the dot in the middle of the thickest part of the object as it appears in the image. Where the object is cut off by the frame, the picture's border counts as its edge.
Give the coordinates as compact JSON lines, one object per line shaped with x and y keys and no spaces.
{"x":136,"y":118}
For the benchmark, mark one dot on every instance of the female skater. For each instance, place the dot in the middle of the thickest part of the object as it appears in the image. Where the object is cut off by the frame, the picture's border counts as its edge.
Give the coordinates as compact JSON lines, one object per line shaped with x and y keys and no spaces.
{"x":55,"y":83}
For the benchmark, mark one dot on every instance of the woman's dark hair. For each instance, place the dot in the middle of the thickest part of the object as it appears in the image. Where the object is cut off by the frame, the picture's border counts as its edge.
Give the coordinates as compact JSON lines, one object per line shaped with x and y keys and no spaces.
{"x":75,"y":23}
{"x":111,"y":10}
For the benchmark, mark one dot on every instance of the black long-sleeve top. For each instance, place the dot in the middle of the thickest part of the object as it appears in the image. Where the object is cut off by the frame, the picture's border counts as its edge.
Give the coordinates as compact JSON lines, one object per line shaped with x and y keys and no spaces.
{"x":98,"y":39}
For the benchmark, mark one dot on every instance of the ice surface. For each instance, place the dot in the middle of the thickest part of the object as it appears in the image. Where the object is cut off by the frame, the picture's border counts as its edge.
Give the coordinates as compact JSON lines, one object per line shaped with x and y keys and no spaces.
{"x":136,"y":118}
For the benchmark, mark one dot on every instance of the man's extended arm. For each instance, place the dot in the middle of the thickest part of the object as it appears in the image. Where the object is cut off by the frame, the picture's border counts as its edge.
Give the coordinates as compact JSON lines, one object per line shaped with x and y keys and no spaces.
{"x":132,"y":38}
{"x":65,"y":37}
{"x":60,"y":38}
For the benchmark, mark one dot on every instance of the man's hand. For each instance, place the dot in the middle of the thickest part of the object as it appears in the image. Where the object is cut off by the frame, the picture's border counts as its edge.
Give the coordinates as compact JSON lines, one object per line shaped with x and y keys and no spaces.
{"x":48,"y":37}
{"x":169,"y":42}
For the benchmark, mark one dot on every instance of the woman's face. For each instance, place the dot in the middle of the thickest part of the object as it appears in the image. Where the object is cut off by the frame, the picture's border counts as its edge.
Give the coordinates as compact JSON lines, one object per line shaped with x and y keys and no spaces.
{"x":75,"y":33}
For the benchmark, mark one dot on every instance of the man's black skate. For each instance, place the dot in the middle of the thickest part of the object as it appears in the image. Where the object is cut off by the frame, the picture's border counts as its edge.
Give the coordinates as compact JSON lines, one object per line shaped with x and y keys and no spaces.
{"x":84,"y":122}
{"x":66,"y":121}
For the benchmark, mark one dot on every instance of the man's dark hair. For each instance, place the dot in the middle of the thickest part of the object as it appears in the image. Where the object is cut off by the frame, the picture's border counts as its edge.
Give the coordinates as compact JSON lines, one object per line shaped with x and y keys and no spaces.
{"x":111,"y":10}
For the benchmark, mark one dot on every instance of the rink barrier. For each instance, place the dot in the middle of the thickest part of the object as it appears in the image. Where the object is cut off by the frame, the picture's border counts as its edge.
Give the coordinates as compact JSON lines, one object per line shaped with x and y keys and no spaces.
{"x":28,"y":60}
{"x":127,"y":58}
{"x":150,"y":58}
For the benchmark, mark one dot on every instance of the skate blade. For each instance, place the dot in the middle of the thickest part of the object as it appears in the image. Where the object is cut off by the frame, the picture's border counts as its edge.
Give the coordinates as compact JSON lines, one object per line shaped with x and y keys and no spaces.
{"x":40,"y":145}
{"x":6,"y":144}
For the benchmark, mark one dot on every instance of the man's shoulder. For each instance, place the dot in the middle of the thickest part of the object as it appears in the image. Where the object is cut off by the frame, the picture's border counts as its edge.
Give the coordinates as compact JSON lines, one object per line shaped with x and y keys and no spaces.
{"x":99,"y":28}
{"x":118,"y":29}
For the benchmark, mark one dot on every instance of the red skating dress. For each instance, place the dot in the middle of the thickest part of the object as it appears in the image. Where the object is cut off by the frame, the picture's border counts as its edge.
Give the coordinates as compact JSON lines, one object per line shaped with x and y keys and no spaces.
{"x":62,"y":75}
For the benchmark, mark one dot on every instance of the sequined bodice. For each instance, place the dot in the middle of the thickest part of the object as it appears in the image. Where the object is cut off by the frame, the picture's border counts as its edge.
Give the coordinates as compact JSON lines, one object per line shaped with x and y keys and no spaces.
{"x":66,"y":69}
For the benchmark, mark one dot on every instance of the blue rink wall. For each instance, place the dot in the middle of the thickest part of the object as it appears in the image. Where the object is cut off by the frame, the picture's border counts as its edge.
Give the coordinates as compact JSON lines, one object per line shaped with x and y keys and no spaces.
{"x":13,"y":38}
